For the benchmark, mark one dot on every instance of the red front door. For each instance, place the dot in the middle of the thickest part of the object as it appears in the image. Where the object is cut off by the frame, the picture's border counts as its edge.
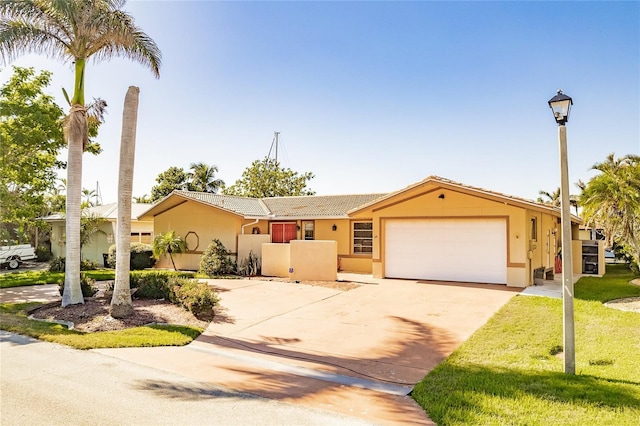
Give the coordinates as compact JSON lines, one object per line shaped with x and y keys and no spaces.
{"x":283,"y":232}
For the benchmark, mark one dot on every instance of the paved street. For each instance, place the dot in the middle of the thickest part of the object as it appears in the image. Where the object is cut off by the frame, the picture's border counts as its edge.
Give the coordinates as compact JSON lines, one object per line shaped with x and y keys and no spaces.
{"x":47,"y":384}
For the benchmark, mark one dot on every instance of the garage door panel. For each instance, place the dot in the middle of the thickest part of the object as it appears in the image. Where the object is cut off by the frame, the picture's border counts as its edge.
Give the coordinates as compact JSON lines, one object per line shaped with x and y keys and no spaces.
{"x":472,"y":250}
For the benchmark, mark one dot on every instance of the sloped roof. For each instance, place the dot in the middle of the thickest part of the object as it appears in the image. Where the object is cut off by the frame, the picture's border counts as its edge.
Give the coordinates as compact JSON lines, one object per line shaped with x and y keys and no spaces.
{"x":105,"y":211}
{"x":241,"y":205}
{"x":317,"y":205}
{"x":509,"y":199}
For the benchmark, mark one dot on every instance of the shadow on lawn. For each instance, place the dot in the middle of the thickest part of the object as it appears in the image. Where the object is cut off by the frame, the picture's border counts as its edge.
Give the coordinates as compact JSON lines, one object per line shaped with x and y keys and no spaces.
{"x":464,"y":387}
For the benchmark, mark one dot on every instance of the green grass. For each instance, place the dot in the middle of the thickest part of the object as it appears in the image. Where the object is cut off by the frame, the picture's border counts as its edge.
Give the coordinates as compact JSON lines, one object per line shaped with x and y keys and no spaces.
{"x":19,"y":279}
{"x":509,"y":372}
{"x":13,"y":318}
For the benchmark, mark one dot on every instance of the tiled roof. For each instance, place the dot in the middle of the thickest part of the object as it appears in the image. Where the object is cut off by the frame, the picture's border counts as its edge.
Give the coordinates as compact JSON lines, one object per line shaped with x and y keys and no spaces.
{"x":317,"y":205}
{"x":240,"y":205}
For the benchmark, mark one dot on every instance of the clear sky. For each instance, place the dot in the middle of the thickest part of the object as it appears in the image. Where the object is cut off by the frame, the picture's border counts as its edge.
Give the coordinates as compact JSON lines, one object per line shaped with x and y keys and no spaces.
{"x":372,"y":96}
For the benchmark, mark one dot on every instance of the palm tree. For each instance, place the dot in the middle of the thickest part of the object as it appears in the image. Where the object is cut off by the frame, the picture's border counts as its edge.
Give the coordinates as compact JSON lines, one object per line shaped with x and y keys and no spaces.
{"x":611,"y":200}
{"x":552,"y":198}
{"x":74,"y":30}
{"x":142,"y":200}
{"x":203,"y":178}
{"x":121,"y":304}
{"x":88,"y":194}
{"x":168,"y":243}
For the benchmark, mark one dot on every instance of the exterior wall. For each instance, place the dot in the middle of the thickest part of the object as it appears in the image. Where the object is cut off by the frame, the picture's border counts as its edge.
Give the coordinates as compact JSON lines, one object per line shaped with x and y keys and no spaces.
{"x":276,"y":260}
{"x":206,"y":222}
{"x":426,"y":201}
{"x":313,"y":260}
{"x":100,"y":243}
{"x":248,"y":243}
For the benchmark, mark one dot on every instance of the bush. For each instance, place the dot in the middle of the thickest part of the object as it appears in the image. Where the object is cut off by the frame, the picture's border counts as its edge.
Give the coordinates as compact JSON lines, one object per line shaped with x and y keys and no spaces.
{"x":249,"y":266}
{"x":58,"y":265}
{"x":43,"y":254}
{"x":196,"y":297}
{"x":216,"y":260}
{"x":88,"y":286}
{"x":141,"y":256}
{"x":153,"y":284}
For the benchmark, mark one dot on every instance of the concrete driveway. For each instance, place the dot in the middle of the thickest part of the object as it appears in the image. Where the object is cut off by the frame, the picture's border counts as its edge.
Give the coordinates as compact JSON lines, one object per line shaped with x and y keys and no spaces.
{"x":356,"y":352}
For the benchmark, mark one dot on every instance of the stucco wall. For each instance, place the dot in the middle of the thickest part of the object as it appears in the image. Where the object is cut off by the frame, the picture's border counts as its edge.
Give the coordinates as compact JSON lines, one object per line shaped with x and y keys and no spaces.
{"x":248,"y":243}
{"x":435,"y":201}
{"x":313,"y":260}
{"x":275,"y":260}
{"x":208,"y":224}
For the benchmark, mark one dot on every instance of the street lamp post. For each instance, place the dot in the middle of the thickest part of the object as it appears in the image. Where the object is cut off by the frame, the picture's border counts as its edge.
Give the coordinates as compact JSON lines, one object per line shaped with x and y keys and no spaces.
{"x":560,"y":105}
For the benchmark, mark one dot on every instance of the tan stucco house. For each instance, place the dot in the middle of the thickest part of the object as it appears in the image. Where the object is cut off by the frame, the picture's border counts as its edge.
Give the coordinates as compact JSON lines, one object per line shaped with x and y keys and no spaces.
{"x":435,"y":229}
{"x":141,"y":230}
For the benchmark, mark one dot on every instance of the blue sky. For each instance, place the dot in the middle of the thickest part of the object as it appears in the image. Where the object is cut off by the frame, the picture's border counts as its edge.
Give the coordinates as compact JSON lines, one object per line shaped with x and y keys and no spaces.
{"x":373,"y":96}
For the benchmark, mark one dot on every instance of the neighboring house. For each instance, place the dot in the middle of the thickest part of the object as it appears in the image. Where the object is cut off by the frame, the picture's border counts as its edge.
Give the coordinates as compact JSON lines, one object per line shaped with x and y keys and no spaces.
{"x":141,"y":231}
{"x":435,"y":229}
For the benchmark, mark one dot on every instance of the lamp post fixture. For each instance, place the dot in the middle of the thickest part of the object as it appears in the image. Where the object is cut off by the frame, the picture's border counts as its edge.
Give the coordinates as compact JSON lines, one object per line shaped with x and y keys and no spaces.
{"x":560,"y":104}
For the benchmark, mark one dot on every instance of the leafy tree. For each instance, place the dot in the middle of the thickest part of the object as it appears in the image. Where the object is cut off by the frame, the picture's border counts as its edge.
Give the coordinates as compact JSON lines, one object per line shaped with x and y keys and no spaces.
{"x":611,"y":201}
{"x":168,"y":243}
{"x":31,"y":135}
{"x":202,"y":178}
{"x":74,"y":30}
{"x":168,"y":181}
{"x":266,"y":178}
{"x":90,"y":227}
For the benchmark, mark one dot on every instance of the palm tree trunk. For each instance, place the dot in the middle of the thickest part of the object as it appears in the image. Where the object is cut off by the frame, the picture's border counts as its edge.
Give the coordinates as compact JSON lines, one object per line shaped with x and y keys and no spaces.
{"x":121,"y":304}
{"x":76,"y":133}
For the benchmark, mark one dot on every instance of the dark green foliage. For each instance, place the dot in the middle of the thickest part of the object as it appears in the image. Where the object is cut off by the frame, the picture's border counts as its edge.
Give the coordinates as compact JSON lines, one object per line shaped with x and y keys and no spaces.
{"x":250,"y":266}
{"x":43,"y":254}
{"x":58,"y":265}
{"x":141,"y":256}
{"x":196,"y":297}
{"x":153,"y":284}
{"x":216,"y":260}
{"x":87,"y":284}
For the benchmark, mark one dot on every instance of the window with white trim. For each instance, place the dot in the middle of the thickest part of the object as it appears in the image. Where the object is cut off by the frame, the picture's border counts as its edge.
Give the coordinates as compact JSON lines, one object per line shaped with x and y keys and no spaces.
{"x":362,"y":237}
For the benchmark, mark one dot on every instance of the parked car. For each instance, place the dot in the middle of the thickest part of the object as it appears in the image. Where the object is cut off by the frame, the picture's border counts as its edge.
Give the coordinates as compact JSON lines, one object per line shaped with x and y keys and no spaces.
{"x":12,"y":256}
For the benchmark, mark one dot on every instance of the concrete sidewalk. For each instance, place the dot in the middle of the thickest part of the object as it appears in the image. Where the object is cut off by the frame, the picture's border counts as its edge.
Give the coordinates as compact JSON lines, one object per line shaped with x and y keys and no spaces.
{"x":356,"y":352}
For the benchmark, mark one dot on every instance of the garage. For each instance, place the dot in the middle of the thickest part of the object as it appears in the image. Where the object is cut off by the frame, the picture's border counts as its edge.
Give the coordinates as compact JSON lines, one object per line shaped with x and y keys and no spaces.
{"x":456,"y":249}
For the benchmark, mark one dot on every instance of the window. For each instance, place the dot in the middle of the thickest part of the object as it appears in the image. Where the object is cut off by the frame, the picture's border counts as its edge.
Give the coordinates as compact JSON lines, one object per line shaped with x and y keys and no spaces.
{"x":534,"y":229}
{"x":307,"y":227}
{"x":362,"y":237}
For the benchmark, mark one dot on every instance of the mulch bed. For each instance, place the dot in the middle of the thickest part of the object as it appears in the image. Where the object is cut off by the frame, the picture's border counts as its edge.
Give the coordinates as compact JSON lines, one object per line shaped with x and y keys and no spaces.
{"x":93,"y":315}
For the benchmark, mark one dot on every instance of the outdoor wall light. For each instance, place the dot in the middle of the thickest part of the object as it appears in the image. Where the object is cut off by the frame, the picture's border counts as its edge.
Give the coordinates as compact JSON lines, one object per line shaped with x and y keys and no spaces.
{"x":334,"y":228}
{"x":441,"y":196}
{"x":560,"y":104}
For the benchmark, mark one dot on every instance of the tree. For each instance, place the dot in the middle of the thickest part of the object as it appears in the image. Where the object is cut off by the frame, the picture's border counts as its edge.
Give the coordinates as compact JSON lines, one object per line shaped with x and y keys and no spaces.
{"x":168,"y":243}
{"x":202,"y":178}
{"x":553,"y":198}
{"x":31,"y":138}
{"x":121,"y":304}
{"x":611,"y":201}
{"x":266,"y":178}
{"x":90,"y":226}
{"x":74,"y":30}
{"x":144,"y":199}
{"x":168,"y":181}
{"x":88,"y":195}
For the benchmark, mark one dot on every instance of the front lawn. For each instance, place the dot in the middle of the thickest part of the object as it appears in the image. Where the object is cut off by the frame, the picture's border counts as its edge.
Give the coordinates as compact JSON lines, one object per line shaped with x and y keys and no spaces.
{"x":13,"y":318}
{"x":19,"y":279}
{"x":510,"y":371}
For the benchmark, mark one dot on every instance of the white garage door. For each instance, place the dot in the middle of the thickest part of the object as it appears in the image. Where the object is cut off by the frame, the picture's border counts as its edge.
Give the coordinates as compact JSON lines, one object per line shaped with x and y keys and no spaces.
{"x":469,"y":250}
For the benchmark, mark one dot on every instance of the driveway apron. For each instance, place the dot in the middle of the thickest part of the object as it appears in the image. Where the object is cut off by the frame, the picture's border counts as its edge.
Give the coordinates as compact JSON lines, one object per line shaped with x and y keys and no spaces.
{"x":357,"y":352}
